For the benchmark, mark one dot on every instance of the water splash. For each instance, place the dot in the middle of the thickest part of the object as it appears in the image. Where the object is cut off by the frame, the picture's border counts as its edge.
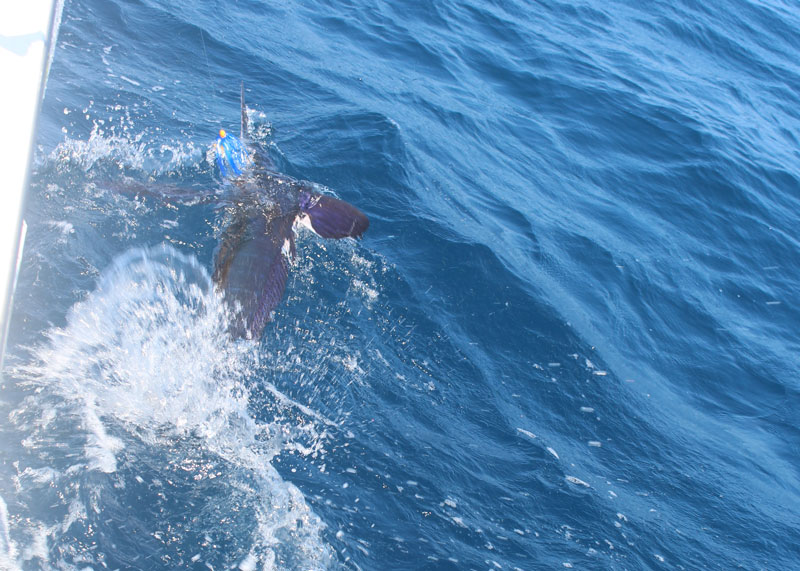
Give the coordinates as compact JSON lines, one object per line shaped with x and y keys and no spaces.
{"x":120,"y":138}
{"x":138,"y":409}
{"x":105,"y":150}
{"x":8,"y":550}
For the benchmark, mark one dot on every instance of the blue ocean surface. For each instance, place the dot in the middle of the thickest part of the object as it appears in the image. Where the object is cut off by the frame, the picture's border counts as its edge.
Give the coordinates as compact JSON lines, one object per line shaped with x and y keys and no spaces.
{"x":569,"y":338}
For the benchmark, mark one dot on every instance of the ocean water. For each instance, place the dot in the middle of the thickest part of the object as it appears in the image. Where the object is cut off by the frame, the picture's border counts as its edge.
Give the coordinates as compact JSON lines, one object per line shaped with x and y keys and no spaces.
{"x":569,"y":338}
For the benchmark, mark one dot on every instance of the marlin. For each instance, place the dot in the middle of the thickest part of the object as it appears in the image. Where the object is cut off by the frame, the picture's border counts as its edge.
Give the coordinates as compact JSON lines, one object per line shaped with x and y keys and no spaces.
{"x":251,"y":262}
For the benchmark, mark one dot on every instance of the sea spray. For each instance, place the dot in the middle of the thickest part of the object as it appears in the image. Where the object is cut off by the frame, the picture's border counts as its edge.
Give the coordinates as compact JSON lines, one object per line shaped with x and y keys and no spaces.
{"x":138,"y":408}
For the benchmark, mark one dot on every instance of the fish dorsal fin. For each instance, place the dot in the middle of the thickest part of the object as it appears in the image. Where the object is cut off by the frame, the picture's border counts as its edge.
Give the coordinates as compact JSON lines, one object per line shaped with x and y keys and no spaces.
{"x":243,"y":133}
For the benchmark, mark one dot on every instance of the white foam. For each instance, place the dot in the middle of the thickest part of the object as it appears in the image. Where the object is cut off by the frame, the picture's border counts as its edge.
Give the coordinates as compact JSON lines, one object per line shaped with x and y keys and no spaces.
{"x":37,"y":546}
{"x":577,"y":481}
{"x":62,"y":226}
{"x":527,"y":433}
{"x":369,"y":294}
{"x":8,"y":550}
{"x":145,"y":362}
{"x":101,"y":448}
{"x":129,"y":80}
{"x":248,"y":563}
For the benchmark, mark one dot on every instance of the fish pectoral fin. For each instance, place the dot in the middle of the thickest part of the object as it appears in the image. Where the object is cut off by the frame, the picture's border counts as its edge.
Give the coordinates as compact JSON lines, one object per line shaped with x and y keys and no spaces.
{"x":227,"y":249}
{"x":330,"y":217}
{"x":269,"y":296}
{"x":251,"y":267}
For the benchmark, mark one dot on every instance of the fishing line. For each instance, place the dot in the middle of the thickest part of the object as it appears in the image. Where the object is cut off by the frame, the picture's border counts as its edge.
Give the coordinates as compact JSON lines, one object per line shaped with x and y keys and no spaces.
{"x":210,"y":79}
{"x":208,"y":67}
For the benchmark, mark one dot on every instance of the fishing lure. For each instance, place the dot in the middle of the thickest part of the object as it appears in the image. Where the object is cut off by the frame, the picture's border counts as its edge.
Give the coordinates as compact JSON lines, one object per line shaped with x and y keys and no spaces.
{"x":230,"y":154}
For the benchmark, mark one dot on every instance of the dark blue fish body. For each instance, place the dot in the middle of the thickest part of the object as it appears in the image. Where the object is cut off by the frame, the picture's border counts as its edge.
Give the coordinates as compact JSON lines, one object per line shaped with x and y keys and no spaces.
{"x":251,"y":263}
